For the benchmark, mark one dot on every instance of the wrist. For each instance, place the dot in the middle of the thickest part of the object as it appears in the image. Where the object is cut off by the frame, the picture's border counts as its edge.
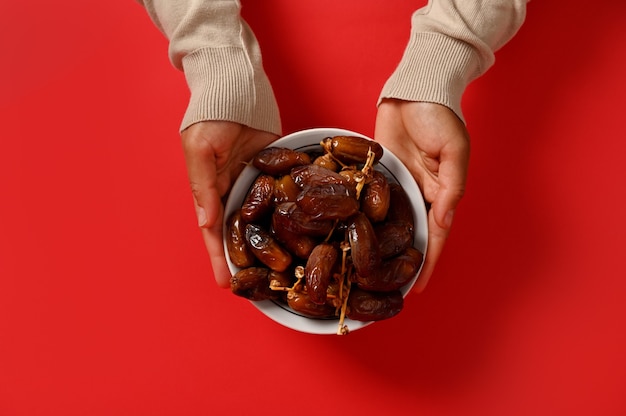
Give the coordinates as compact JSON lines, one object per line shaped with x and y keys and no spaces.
{"x":224,"y":86}
{"x":435,"y":68}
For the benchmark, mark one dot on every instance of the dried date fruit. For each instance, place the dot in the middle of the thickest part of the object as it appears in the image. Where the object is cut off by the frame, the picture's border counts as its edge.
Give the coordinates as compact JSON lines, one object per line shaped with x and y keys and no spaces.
{"x":325,"y":233}
{"x":301,"y":302}
{"x":290,"y":217}
{"x":330,"y":201}
{"x":301,"y":245}
{"x":327,"y":162}
{"x":259,"y":200}
{"x":352,"y":149}
{"x":363,"y":245}
{"x":252,"y":283}
{"x":315,"y":175}
{"x":393,"y":273}
{"x":277,"y":161}
{"x":318,"y":271}
{"x":266,"y":249}
{"x":400,"y":206}
{"x":285,"y":189}
{"x":393,"y":237}
{"x":352,"y":176}
{"x":375,"y":197}
{"x":281,"y":279}
{"x":238,"y":250}
{"x":335,"y":292}
{"x":373,"y":306}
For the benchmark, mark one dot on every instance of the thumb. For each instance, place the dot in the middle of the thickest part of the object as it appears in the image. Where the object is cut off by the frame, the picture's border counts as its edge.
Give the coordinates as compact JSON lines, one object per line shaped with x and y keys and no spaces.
{"x":214,"y":242}
{"x":202,"y":173}
{"x":443,"y":208}
{"x":452,"y":176}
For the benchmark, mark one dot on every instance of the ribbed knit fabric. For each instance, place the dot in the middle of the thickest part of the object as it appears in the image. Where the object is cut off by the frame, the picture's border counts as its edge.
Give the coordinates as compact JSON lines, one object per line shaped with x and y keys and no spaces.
{"x":225,"y":85}
{"x":435,"y":68}
{"x":452,"y":42}
{"x":221,"y":59}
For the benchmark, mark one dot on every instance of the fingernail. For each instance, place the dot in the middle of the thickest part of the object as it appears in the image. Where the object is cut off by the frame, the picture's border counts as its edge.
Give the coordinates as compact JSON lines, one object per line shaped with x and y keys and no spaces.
{"x":447,"y":220}
{"x":201,"y":214}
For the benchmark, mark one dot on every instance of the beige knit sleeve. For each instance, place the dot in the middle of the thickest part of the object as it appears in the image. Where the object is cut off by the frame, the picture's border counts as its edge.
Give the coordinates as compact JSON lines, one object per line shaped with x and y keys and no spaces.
{"x":221,"y":60}
{"x":452,"y":43}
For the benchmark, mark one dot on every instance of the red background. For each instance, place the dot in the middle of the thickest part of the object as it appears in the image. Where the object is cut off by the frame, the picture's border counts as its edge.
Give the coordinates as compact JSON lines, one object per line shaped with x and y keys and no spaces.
{"x":107,"y":304}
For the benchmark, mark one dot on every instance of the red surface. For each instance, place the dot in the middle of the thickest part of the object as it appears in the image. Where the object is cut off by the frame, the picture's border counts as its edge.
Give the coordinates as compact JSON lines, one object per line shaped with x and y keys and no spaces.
{"x":107,"y":305}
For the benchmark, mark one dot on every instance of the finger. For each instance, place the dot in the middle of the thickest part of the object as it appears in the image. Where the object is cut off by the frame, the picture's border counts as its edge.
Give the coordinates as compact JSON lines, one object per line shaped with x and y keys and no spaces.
{"x":202,"y":173}
{"x":452,"y":178}
{"x":436,"y":241}
{"x":209,"y":203}
{"x":213,"y":240}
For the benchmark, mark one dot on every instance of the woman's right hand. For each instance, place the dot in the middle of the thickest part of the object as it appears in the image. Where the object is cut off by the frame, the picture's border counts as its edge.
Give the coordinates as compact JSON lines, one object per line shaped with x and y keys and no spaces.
{"x":215,"y":153}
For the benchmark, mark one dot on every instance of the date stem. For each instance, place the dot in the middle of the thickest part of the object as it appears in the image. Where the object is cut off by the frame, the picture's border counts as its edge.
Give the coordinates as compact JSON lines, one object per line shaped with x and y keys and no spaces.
{"x":328,"y":149}
{"x":332,"y":230}
{"x":343,"y":329}
{"x":299,"y":273}
{"x":366,"y":170}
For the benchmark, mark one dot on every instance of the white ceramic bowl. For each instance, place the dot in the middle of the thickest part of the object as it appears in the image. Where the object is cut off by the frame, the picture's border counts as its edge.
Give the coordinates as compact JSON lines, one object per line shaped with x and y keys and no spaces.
{"x":395,"y":171}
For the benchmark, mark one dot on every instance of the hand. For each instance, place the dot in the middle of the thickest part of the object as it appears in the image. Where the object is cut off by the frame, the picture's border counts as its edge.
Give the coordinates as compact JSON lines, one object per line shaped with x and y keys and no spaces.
{"x":434,"y":145}
{"x":215,"y":153}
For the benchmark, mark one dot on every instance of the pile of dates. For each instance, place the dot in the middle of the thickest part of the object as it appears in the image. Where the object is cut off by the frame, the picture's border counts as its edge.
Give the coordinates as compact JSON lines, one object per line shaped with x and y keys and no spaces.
{"x":325,"y":233}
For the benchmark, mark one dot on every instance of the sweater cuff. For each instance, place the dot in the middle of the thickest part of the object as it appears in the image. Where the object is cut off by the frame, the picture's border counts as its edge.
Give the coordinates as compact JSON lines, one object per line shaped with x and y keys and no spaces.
{"x":435,"y":68}
{"x":225,"y":85}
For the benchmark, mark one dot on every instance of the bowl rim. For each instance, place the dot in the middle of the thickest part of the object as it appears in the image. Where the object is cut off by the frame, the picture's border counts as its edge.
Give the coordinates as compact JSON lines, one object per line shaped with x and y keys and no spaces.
{"x":302,"y":139}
